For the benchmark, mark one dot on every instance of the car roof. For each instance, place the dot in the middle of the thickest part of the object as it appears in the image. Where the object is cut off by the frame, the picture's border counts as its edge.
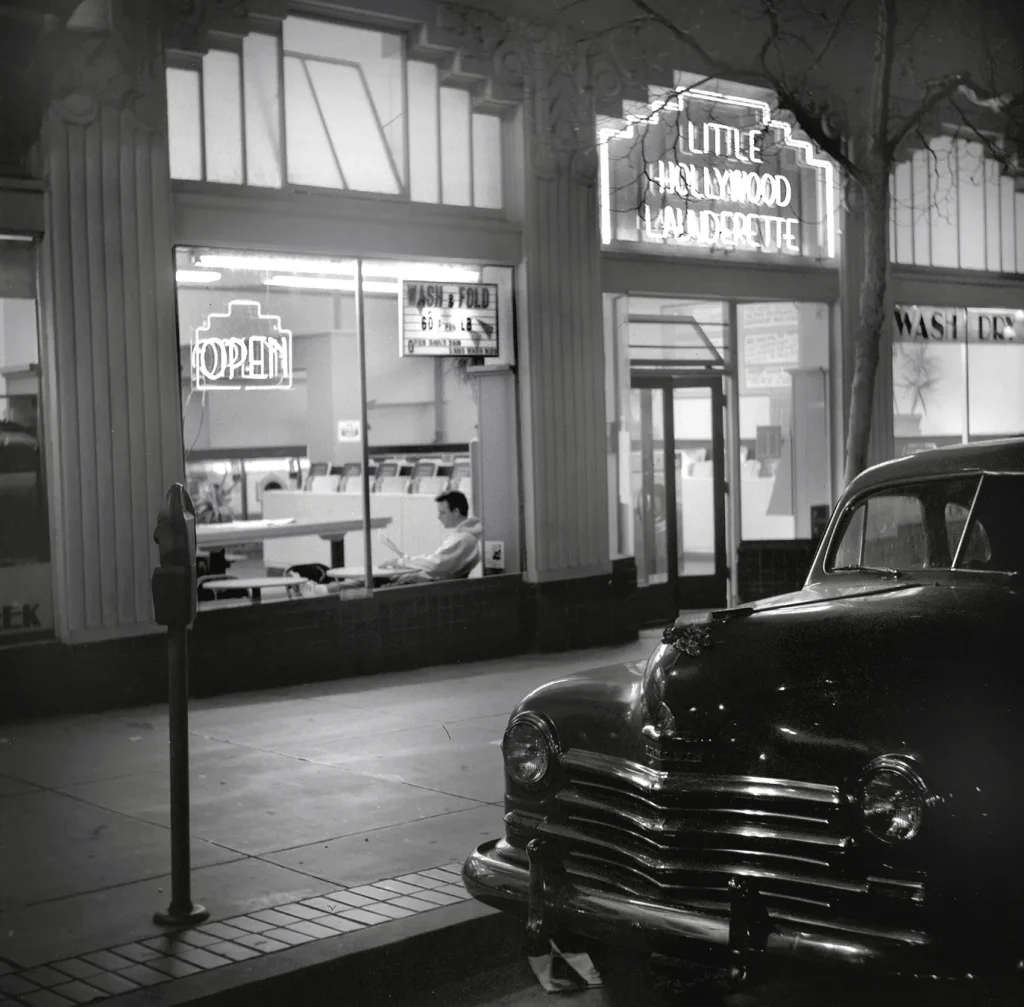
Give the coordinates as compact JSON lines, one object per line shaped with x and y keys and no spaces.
{"x":1005,"y":455}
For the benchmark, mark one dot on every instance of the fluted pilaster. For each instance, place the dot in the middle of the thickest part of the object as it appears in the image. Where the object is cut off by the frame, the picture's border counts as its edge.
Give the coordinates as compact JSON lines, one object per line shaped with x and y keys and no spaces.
{"x":562,"y":349}
{"x":108,"y":266}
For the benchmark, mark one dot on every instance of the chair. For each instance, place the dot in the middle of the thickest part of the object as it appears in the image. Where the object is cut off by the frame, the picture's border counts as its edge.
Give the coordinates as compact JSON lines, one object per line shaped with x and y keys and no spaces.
{"x":316,"y":469}
{"x":316,"y":572}
{"x":429,"y":485}
{"x":324,"y":484}
{"x":204,"y":595}
{"x":392,"y":484}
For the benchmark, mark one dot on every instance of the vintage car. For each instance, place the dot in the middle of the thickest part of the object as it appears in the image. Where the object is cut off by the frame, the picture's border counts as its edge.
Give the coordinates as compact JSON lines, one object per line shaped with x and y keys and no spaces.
{"x":832,"y":776}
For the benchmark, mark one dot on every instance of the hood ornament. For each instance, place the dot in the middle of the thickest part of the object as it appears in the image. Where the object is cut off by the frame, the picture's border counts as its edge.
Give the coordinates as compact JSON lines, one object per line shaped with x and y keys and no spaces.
{"x":691,"y":639}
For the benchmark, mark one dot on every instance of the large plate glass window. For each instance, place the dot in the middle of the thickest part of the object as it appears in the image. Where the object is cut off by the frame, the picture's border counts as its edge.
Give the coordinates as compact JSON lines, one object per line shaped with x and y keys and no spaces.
{"x":26,"y":605}
{"x":956,"y":374}
{"x":289,"y":452}
{"x":782,"y":379}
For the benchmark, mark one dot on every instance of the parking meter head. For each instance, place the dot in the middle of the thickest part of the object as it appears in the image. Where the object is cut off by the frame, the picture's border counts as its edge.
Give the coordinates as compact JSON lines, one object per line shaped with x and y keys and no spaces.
{"x":175,"y":533}
{"x":174,"y":580}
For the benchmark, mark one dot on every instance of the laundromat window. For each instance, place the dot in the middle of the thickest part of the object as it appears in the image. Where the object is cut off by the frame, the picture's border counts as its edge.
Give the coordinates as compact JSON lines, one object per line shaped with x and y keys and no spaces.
{"x":291,"y":456}
{"x":25,"y":586}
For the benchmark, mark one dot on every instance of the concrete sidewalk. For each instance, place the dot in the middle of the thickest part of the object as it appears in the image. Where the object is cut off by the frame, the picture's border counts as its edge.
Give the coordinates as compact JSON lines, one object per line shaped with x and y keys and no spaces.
{"x":318,"y":812}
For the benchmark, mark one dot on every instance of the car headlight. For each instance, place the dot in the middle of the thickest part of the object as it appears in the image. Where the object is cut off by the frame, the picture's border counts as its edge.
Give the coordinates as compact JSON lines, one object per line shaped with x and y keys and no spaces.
{"x":892,"y":800}
{"x":529,"y":748}
{"x":653,"y":686}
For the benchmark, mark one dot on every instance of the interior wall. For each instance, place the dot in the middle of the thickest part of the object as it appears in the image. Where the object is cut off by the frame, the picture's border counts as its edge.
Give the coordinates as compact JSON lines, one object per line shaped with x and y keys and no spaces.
{"x":19,"y":337}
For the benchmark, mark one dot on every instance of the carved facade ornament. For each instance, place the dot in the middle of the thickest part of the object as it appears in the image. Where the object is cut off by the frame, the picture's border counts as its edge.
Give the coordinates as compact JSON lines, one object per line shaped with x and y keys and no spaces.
{"x":109,"y":54}
{"x":560,"y":80}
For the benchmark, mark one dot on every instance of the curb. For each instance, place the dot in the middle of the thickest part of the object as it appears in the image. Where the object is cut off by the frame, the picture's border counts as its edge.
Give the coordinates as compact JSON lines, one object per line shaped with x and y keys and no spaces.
{"x":365,"y":967}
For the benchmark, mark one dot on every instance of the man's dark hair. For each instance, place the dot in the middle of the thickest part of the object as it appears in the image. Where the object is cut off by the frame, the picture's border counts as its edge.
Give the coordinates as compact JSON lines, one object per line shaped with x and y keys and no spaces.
{"x":456,"y":501}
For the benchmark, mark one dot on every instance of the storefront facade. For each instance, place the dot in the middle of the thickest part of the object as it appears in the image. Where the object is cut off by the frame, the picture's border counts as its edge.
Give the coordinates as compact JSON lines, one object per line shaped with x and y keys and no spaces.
{"x":957,"y":331}
{"x":227,"y":277}
{"x":721,"y":280}
{"x":236,"y":281}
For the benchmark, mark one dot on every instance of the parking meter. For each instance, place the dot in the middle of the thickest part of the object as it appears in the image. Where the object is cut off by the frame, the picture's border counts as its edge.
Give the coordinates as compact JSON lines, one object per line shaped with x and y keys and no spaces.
{"x":174,"y":580}
{"x":174,"y":605}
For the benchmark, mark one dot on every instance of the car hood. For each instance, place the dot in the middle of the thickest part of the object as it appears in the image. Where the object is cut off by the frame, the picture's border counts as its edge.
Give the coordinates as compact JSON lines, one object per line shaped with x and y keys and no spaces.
{"x":835,"y":677}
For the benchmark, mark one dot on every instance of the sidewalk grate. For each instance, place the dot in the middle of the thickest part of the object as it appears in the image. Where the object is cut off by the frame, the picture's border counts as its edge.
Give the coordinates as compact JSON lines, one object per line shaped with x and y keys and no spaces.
{"x":173,"y":955}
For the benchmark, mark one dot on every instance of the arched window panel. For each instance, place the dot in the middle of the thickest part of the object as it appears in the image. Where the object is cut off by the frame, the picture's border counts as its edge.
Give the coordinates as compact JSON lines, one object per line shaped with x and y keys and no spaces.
{"x":953,"y":208}
{"x":357,"y":78}
{"x":357,"y":141}
{"x":943,"y":211}
{"x":184,"y":123}
{"x":424,"y":133}
{"x":222,"y":117}
{"x":262,"y":91}
{"x":456,"y":148}
{"x":487,"y":176}
{"x":311,"y":157}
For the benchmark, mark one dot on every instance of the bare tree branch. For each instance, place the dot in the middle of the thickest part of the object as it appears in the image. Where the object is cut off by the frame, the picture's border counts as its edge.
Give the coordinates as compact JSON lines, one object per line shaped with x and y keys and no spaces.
{"x":810,"y":122}
{"x":685,"y":37}
{"x":838,"y":22}
{"x":988,"y":99}
{"x":940,"y":91}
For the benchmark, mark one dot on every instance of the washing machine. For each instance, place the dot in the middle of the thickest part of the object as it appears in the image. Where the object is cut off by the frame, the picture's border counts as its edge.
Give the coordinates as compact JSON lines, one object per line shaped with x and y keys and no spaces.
{"x":259,"y":479}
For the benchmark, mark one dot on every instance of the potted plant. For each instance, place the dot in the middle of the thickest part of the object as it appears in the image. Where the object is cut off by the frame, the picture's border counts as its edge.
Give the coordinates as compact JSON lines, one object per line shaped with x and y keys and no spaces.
{"x":919,"y":371}
{"x":214,"y":503}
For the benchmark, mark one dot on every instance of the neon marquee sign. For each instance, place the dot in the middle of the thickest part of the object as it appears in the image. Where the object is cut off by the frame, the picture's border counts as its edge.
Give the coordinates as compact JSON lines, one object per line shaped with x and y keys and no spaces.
{"x":713,"y":186}
{"x":241,"y":349}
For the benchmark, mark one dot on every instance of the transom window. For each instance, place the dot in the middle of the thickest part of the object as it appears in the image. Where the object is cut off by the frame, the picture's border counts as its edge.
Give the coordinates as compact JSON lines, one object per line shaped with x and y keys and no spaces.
{"x":331,"y":106}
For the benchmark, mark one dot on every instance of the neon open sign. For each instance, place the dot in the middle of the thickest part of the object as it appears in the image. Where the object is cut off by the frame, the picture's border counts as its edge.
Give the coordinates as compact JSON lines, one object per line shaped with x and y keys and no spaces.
{"x":241,"y":349}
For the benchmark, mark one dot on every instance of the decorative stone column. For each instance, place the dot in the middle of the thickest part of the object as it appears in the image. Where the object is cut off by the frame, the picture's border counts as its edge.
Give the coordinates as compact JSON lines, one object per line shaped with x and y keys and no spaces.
{"x":561,"y":345}
{"x":111,"y":353}
{"x":560,"y":342}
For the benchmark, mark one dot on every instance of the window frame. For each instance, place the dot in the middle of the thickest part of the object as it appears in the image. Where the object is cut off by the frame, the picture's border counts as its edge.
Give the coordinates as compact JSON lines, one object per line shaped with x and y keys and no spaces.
{"x":45,"y":451}
{"x":896,"y":486}
{"x":183,"y":59}
{"x":972,"y":518}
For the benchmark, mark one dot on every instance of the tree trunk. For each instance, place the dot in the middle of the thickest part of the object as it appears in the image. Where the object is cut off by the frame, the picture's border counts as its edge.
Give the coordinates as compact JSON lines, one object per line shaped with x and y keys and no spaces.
{"x":875,"y":277}
{"x":876,"y":165}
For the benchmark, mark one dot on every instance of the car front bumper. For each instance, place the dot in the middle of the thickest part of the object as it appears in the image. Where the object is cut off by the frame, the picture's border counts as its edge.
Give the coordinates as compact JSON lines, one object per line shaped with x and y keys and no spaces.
{"x":499,"y":876}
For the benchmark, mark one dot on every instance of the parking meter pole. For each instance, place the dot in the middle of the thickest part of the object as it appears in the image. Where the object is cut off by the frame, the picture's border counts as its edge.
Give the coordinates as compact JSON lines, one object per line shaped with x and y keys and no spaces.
{"x":174,"y":603}
{"x":181,"y":908}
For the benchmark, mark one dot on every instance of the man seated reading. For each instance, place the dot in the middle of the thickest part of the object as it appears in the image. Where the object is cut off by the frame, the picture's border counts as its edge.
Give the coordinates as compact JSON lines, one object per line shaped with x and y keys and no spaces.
{"x":457,"y":554}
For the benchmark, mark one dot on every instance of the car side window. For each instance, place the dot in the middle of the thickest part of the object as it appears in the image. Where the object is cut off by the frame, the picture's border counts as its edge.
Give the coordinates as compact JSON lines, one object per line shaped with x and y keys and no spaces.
{"x":894,"y":533}
{"x":885,"y":531}
{"x":977,"y":552}
{"x":956,"y":521}
{"x":995,"y":536}
{"x":850,"y":545}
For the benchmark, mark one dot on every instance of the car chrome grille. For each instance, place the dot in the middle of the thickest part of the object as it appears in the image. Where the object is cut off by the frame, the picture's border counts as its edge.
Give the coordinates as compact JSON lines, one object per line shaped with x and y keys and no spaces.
{"x":680,"y":836}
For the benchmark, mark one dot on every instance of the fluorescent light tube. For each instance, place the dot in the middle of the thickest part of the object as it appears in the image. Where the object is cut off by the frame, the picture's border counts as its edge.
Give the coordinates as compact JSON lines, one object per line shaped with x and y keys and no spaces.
{"x":196,"y":276}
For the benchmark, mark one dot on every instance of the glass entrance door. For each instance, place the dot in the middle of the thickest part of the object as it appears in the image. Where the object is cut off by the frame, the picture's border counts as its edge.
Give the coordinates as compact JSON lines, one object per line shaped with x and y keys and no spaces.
{"x":678,"y":490}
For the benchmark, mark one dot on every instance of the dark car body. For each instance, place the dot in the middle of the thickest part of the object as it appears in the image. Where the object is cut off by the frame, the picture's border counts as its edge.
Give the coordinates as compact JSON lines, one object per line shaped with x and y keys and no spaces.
{"x":728,"y":799}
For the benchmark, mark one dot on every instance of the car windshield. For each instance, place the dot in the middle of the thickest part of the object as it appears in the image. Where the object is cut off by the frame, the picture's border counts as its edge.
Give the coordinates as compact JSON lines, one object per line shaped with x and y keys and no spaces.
{"x":972,"y":522}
